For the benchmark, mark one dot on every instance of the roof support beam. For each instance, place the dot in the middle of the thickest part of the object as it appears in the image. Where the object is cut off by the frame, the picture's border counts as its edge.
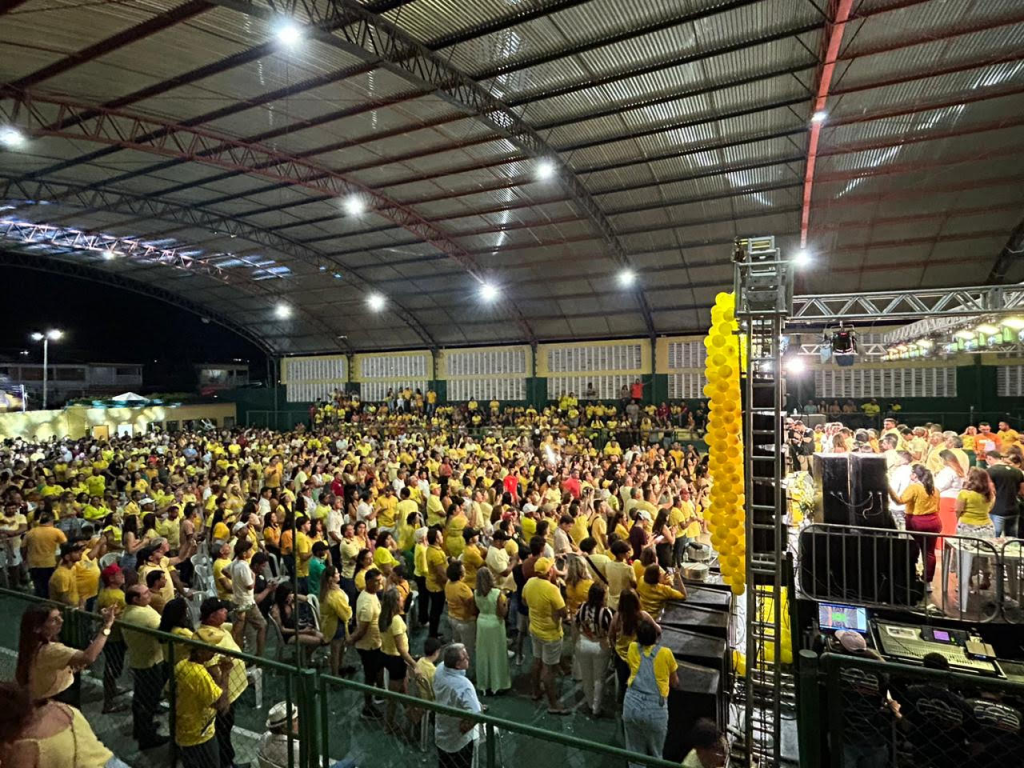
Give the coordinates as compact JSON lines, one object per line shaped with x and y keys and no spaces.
{"x":42,"y":116}
{"x":371,"y":37}
{"x":1012,"y":252}
{"x":11,"y":258}
{"x":149,"y":208}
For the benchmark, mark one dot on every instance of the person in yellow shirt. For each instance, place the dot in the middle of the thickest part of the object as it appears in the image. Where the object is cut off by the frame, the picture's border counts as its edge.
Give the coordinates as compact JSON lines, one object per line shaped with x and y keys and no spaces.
{"x":654,"y":592}
{"x":335,"y":614}
{"x":435,"y":509}
{"x":462,"y":609}
{"x":547,"y":610}
{"x":87,"y":570}
{"x":472,"y":556}
{"x":41,"y":545}
{"x":213,"y":615}
{"x":436,"y":564}
{"x":653,"y":670}
{"x":367,"y":638}
{"x":201,"y":694}
{"x":1006,"y":436}
{"x":303,"y":553}
{"x":63,"y":587}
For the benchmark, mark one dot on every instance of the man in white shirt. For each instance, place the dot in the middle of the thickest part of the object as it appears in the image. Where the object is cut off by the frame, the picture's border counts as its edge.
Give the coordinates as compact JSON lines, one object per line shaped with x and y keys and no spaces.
{"x":899,"y":481}
{"x":454,"y":737}
{"x":243,"y":583}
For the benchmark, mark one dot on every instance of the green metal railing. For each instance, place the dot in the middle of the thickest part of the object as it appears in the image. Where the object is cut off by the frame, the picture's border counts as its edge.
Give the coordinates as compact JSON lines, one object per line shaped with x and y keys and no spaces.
{"x":323,"y":737}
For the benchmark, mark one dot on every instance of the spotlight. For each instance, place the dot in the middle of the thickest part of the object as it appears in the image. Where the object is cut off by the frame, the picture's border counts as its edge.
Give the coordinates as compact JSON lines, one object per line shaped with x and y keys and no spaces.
{"x":627,"y":277}
{"x":545,"y":170}
{"x":376,"y":302}
{"x":488,"y":291}
{"x":802,"y":258}
{"x":796,"y":365}
{"x":289,"y":34}
{"x":986,"y":329}
{"x":354,"y":205}
{"x":925,"y":343}
{"x":283,"y":311}
{"x":966,"y":333}
{"x":819,"y":117}
{"x":54,"y":335}
{"x":1017,"y":323}
{"x":11,"y":137}
{"x":110,"y":254}
{"x":844,"y":341}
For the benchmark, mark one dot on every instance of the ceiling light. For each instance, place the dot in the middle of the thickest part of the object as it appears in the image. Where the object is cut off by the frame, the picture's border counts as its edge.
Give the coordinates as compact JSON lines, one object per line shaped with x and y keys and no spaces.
{"x":110,"y":254}
{"x":289,"y":33}
{"x":1017,"y":323}
{"x":337,"y":275}
{"x":376,"y":302}
{"x":627,"y":277}
{"x":925,"y":343}
{"x":488,"y":291}
{"x":987,"y":329}
{"x":802,"y":258}
{"x":796,"y":365}
{"x":283,"y":311}
{"x":545,"y":170}
{"x":354,"y":205}
{"x":819,"y":117}
{"x":11,"y":137}
{"x":967,"y":333}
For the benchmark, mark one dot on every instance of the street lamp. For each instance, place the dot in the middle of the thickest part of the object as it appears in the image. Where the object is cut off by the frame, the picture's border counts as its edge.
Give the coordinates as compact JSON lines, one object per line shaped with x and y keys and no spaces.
{"x":51,"y":335}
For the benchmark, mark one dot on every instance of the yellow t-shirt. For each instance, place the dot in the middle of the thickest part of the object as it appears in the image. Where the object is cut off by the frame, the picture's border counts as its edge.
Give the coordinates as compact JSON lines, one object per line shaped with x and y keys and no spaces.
{"x":303,"y":545}
{"x":654,"y":596}
{"x":111,"y":597}
{"x":620,"y":577}
{"x":51,"y":672}
{"x":919,"y":502}
{"x":543,"y":599}
{"x":224,"y":593}
{"x":576,"y":595}
{"x":87,"y":577}
{"x":64,"y":586}
{"x":334,"y":611}
{"x":419,"y":558}
{"x":435,"y":510}
{"x":664,"y":665}
{"x":197,"y":693}
{"x":459,"y":597}
{"x":387,"y":511}
{"x":41,"y":545}
{"x":435,"y":557}
{"x":472,"y":561}
{"x":453,"y":540}
{"x":395,"y":639}
{"x":368,"y":610}
{"x":976,"y":508}
{"x":383,"y":556}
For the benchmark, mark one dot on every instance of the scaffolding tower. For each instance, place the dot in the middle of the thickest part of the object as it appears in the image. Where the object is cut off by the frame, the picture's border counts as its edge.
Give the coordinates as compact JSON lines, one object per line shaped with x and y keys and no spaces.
{"x":764,"y":300}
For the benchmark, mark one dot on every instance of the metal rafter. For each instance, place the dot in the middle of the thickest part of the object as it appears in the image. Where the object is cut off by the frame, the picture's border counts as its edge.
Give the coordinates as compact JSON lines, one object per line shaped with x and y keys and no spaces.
{"x":907,"y":305}
{"x":40,"y":116}
{"x":371,"y":37}
{"x":149,"y":208}
{"x":1011,"y":253}
{"x":17,"y":259}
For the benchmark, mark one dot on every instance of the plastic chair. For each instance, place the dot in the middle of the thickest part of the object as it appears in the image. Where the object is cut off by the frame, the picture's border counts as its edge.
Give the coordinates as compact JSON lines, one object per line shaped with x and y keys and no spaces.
{"x":314,"y":605}
{"x":109,"y":559}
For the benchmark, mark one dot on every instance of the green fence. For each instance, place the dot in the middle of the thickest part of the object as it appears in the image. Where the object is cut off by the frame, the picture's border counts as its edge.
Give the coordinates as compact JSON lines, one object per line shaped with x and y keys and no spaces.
{"x":857,"y":711}
{"x":330,"y":730}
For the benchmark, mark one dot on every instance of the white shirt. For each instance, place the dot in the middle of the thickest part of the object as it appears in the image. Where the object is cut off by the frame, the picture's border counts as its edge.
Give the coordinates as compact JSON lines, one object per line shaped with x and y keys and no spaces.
{"x":242,"y":583}
{"x":273,"y":750}
{"x":335,"y":519}
{"x":899,"y":481}
{"x":363,"y":511}
{"x":948,"y":480}
{"x":263,"y":506}
{"x":453,"y":689}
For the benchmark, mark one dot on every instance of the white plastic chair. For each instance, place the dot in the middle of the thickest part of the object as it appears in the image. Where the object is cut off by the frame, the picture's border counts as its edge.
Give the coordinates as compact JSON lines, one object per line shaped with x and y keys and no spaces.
{"x":109,"y":559}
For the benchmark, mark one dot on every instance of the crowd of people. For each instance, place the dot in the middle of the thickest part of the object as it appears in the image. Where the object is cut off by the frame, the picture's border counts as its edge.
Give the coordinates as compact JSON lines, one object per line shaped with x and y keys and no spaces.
{"x":538,"y":544}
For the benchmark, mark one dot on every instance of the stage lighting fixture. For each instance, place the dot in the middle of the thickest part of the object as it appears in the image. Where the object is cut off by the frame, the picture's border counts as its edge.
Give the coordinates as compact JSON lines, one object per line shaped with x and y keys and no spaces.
{"x":376,"y":302}
{"x":844,"y":341}
{"x":1017,"y":323}
{"x":283,"y":311}
{"x":796,"y":365}
{"x":964,"y":334}
{"x":925,"y":343}
{"x":11,"y":137}
{"x":627,"y":277}
{"x":819,"y":117}
{"x":545,"y":170}
{"x":110,"y":254}
{"x":802,"y":258}
{"x":289,"y":33}
{"x":354,"y":205}
{"x":986,"y":329}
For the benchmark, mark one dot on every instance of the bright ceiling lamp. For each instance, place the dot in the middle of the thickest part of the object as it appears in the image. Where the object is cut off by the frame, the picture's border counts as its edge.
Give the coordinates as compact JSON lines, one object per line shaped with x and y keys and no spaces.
{"x":376,"y":302}
{"x":966,"y":333}
{"x":355,"y":205}
{"x":802,"y":258}
{"x":1017,"y":323}
{"x":987,"y":329}
{"x":627,"y":277}
{"x":110,"y":254}
{"x":796,"y":365}
{"x":289,"y":33}
{"x":819,"y":117}
{"x":283,"y":311}
{"x":545,"y":170}
{"x":489,"y":292}
{"x":11,"y":137}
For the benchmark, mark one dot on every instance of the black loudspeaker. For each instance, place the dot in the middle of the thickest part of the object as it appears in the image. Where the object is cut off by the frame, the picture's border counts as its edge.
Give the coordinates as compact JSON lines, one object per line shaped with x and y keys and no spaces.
{"x":869,"y":491}
{"x":708,"y":597}
{"x":706,"y":621}
{"x":850,"y":568}
{"x":695,"y":648}
{"x":831,"y":474}
{"x":696,"y":697}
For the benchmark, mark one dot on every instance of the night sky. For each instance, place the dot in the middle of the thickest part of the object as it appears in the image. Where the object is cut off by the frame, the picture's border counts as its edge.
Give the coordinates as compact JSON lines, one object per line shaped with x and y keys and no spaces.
{"x":107,"y":324}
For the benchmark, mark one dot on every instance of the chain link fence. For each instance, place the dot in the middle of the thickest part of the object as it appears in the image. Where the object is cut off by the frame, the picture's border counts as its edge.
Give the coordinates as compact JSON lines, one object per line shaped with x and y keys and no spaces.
{"x":862,"y":712}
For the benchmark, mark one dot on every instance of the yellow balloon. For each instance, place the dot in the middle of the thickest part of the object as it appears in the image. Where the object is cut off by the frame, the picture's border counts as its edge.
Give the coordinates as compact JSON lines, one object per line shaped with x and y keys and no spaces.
{"x":717,"y":342}
{"x":717,"y":361}
{"x":737,"y":589}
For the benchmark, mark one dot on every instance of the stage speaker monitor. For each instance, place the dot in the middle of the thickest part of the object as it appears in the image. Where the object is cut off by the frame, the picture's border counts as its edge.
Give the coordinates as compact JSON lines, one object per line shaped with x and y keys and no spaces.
{"x":831,"y":472}
{"x":697,"y":697}
{"x":706,"y":621}
{"x":869,"y":491}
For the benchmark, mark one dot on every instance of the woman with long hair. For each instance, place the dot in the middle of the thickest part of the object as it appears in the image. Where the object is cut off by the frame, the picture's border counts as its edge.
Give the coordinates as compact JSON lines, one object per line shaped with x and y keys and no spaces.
{"x":952,"y":475}
{"x":623,"y":632}
{"x":664,"y":538}
{"x":131,"y":543}
{"x":922,"y":515}
{"x":593,"y":622}
{"x":175,"y":620}
{"x":394,"y":645}
{"x":491,"y":642}
{"x":47,"y":735}
{"x":284,"y":613}
{"x":335,"y":614}
{"x":973,"y":505}
{"x":364,"y":562}
{"x":47,"y":667}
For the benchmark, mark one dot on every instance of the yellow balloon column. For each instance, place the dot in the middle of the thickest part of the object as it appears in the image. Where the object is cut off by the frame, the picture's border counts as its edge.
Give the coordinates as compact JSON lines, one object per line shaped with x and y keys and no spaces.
{"x":724,"y":437}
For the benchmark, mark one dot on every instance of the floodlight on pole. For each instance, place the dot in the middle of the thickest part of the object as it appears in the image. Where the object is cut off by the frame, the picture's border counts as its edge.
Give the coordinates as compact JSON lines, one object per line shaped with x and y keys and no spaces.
{"x":51,"y":335}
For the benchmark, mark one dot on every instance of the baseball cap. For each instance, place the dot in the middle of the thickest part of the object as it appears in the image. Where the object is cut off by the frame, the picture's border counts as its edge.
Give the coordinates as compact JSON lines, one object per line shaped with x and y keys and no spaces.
{"x":543,"y":565}
{"x":145,"y":501}
{"x":851,"y":641}
{"x":110,"y":571}
{"x":210,"y":606}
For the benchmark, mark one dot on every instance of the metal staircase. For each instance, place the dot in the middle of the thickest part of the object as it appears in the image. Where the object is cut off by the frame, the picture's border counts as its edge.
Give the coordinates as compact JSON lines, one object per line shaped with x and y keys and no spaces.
{"x":764,"y":299}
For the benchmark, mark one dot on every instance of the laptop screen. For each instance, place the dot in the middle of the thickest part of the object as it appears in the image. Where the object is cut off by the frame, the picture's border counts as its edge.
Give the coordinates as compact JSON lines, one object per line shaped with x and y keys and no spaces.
{"x":832,"y":617}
